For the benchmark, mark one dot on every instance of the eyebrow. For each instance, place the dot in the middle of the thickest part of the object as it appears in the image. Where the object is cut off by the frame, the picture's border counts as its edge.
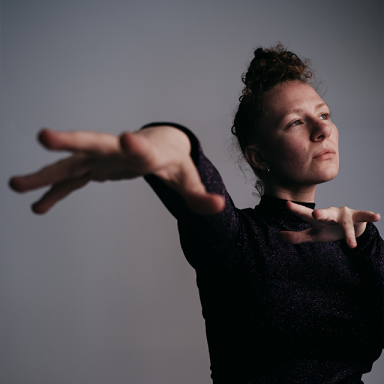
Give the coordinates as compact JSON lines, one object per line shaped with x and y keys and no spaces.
{"x":300,"y":109}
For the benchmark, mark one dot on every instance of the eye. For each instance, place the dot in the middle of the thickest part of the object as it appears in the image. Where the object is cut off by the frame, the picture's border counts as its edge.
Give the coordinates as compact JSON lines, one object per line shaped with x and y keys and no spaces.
{"x":297,"y":122}
{"x":325,"y":116}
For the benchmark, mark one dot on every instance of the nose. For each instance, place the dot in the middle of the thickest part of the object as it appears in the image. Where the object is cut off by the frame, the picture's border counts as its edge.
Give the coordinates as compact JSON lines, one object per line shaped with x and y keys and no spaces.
{"x":320,"y":130}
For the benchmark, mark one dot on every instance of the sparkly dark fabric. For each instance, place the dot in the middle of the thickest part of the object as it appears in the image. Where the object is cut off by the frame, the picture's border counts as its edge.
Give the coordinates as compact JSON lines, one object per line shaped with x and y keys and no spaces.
{"x":277,"y":312}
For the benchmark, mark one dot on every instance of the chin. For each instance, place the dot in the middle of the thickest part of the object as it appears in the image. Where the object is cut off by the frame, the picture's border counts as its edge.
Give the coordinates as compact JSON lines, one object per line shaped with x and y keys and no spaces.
{"x":325,"y":171}
{"x":326,"y":176}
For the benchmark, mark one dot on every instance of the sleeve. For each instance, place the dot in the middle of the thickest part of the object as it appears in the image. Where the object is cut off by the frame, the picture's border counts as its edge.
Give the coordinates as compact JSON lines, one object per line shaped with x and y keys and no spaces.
{"x":369,"y":256}
{"x":206,"y":240}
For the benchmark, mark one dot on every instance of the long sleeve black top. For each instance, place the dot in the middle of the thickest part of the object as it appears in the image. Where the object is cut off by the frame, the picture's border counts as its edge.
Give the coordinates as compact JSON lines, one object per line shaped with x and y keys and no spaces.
{"x":278,"y":312}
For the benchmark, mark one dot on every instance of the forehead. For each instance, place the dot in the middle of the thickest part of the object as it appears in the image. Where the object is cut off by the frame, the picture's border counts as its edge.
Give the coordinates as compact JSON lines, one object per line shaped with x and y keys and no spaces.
{"x":290,"y":97}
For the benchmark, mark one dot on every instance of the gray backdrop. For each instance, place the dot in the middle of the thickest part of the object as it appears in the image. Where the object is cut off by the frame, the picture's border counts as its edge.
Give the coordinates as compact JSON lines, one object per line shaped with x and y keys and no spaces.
{"x":98,"y":290}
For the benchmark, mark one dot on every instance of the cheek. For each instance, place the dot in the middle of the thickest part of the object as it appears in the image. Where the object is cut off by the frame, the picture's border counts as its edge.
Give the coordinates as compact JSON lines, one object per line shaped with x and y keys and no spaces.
{"x":290,"y":153}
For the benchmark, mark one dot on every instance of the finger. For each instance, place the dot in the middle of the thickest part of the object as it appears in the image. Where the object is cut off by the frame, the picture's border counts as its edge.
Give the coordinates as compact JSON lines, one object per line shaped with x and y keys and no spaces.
{"x":70,"y":168}
{"x":366,"y":216}
{"x":56,"y":193}
{"x":86,"y":141}
{"x":330,"y":214}
{"x":292,"y":237}
{"x":333,"y":214}
{"x":346,"y":224}
{"x":301,"y":211}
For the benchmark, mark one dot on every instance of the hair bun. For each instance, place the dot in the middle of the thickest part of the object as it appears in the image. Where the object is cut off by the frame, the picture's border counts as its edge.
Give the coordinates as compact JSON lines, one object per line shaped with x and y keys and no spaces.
{"x":270,"y":67}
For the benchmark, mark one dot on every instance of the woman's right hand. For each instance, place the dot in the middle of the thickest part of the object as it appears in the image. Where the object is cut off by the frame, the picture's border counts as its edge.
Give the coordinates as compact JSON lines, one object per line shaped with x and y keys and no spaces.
{"x":163,"y":151}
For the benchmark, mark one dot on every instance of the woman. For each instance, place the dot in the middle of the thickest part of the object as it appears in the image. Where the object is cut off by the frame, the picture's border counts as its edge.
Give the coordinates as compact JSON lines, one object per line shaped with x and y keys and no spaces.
{"x":289,"y":294}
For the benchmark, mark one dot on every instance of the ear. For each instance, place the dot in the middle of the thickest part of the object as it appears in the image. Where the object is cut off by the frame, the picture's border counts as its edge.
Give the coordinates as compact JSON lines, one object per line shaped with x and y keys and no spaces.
{"x":255,"y":159}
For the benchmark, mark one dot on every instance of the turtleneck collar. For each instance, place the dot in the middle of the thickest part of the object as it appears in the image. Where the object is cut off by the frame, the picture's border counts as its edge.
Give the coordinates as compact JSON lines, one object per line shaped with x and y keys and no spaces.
{"x":274,"y":207}
{"x":271,"y":201}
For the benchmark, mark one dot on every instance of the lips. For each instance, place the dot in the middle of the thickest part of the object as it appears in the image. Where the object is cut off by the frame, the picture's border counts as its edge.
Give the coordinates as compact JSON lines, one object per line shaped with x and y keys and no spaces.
{"x":326,"y":153}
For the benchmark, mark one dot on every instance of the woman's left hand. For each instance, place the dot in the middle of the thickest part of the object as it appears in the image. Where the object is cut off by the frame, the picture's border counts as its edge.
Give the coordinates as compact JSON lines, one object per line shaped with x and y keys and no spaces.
{"x":329,"y":224}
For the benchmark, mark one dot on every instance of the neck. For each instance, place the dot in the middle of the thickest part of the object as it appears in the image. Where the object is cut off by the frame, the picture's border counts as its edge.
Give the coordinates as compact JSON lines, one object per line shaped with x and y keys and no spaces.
{"x":305,"y":194}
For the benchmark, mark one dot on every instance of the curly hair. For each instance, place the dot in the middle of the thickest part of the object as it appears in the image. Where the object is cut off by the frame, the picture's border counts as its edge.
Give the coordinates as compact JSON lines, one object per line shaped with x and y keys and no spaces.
{"x":269,"y":68}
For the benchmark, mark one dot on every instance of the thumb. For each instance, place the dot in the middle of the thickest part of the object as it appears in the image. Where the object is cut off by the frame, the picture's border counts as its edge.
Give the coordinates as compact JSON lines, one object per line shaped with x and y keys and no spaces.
{"x":205,"y":203}
{"x":293,"y":237}
{"x":188,"y":183}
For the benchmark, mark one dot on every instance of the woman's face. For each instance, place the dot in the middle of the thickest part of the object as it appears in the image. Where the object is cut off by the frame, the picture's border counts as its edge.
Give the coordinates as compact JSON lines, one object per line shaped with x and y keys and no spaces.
{"x":299,"y":142}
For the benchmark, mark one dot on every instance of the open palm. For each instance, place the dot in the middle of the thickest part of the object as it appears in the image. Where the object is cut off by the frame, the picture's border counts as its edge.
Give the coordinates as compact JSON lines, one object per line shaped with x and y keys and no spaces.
{"x":99,"y":156}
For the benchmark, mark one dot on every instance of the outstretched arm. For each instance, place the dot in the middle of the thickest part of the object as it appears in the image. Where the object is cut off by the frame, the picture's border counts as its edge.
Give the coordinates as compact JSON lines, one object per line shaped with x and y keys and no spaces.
{"x":330,"y":224}
{"x":163,"y":151}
